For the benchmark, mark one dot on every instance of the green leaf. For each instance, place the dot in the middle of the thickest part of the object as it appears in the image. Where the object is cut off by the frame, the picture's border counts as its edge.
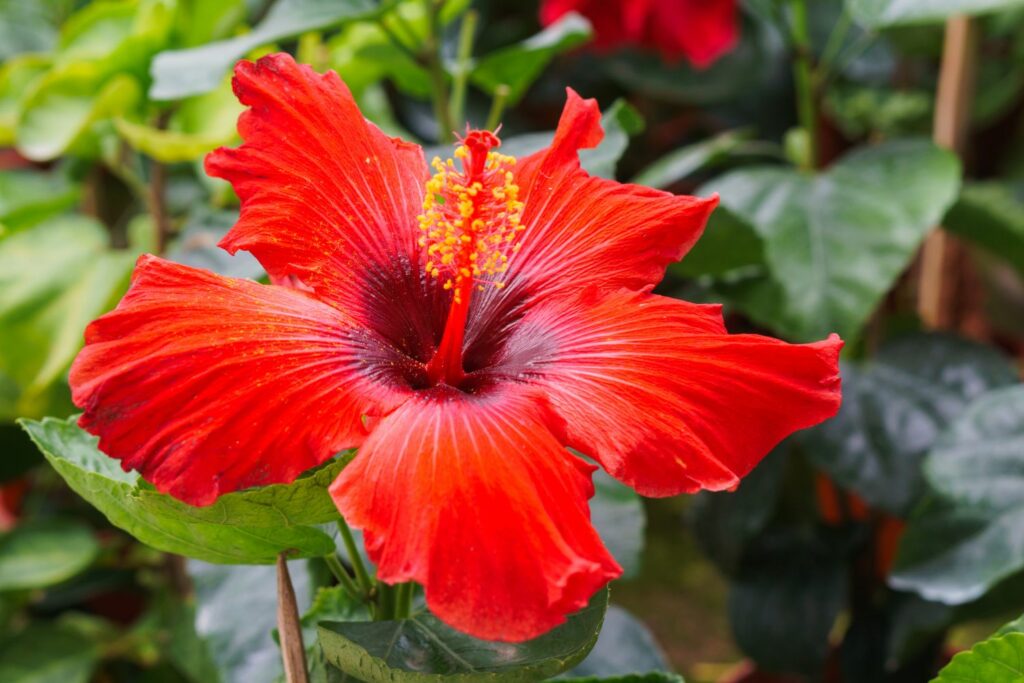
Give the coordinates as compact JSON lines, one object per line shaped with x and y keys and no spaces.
{"x":972,"y":536}
{"x":17,"y":77}
{"x":835,"y":242}
{"x":54,"y":278}
{"x":653,"y":677}
{"x":422,"y":648}
{"x":681,"y":163}
{"x":181,"y":73}
{"x":881,"y":13}
{"x":58,"y":115}
{"x":624,"y":647}
{"x":517,"y":66}
{"x":202,"y":21}
{"x":48,"y":653}
{"x":28,"y":197}
{"x":618,"y":515}
{"x":246,"y":527}
{"x":728,"y":244}
{"x":42,"y":553}
{"x":25,"y":27}
{"x":619,"y":122}
{"x":236,"y":610}
{"x":996,"y":660}
{"x":894,"y":407}
{"x":991,"y":215}
{"x":117,"y":36}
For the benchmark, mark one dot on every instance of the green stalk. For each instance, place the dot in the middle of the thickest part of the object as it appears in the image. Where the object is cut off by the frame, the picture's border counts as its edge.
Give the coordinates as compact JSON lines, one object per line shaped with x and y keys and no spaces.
{"x":343,"y":577}
{"x":438,"y":79}
{"x":362,"y":576}
{"x":403,"y":600}
{"x":802,"y":77}
{"x":464,"y":61}
{"x":497,"y":106}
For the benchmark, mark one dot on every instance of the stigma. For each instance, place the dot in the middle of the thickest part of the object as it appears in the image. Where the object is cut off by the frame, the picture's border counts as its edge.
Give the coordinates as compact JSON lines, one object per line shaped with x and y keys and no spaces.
{"x":471,"y":216}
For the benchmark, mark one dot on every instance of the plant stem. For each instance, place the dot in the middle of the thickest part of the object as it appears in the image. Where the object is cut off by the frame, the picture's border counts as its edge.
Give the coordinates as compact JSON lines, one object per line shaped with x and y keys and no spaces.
{"x":497,"y":106}
{"x":293,"y":652}
{"x":343,"y":577}
{"x":802,"y":78}
{"x":464,"y":64}
{"x":403,"y":600}
{"x":362,"y":576}
{"x":438,"y":79}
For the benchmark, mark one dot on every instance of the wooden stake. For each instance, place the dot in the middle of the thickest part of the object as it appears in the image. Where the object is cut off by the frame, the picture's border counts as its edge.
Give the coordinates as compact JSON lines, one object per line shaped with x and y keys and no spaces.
{"x":937,"y":283}
{"x":293,"y":652}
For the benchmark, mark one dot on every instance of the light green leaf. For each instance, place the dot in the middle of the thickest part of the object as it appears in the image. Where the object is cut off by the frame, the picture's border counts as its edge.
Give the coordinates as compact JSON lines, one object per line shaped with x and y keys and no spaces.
{"x":996,"y":660}
{"x":681,"y":163}
{"x":117,"y":36}
{"x":201,"y":21}
{"x":652,"y":677}
{"x":180,"y":73}
{"x":54,"y":278}
{"x":26,"y":27}
{"x":56,"y":117}
{"x":48,"y":653}
{"x":894,"y":407}
{"x":42,"y":553}
{"x":28,"y":197}
{"x":881,"y":13}
{"x":246,"y":527}
{"x":517,"y":66}
{"x":17,"y":77}
{"x":422,"y":648}
{"x":972,"y":535}
{"x":835,"y":242}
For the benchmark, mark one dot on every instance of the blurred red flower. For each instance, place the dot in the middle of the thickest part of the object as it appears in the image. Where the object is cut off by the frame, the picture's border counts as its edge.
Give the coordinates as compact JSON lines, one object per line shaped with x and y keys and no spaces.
{"x":461,"y":330}
{"x":699,"y":30}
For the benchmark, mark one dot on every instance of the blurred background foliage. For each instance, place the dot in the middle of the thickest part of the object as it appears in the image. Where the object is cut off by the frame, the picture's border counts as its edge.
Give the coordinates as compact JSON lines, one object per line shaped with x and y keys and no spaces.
{"x":863,"y":550}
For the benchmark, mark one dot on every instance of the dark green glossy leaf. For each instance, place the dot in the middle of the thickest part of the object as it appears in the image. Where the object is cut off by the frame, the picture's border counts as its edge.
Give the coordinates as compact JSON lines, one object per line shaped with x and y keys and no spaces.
{"x":894,"y":407}
{"x":247,"y":527}
{"x":54,"y":278}
{"x":991,"y":215}
{"x":725,"y":522}
{"x":181,"y":73}
{"x":785,"y":600}
{"x":624,"y":647}
{"x":618,"y":515}
{"x":972,"y":536}
{"x":996,"y":660}
{"x":835,"y":242}
{"x":424,"y":649}
{"x":880,"y":13}
{"x":48,"y":653}
{"x":41,"y":553}
{"x":236,"y":609}
{"x":517,"y":66}
{"x":1015,"y":626}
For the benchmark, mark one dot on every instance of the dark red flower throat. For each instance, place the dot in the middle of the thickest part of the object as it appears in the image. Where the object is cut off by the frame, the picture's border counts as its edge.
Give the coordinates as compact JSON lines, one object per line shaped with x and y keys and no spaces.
{"x":470,"y":224}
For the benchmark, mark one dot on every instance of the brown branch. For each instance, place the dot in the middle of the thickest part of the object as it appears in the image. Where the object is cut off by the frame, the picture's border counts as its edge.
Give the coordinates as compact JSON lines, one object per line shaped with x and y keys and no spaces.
{"x":940,"y":257}
{"x":293,"y":652}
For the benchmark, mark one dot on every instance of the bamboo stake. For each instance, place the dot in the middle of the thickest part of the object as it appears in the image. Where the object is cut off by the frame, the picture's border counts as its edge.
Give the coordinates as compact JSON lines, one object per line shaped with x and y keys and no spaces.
{"x":936,"y":289}
{"x":293,"y":652}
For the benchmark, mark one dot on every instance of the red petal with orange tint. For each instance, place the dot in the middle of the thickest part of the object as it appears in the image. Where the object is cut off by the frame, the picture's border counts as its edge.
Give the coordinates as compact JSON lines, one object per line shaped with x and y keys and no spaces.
{"x":663,"y":397}
{"x":207,"y":384}
{"x":326,"y":197}
{"x":472,"y":496}
{"x":582,"y":230}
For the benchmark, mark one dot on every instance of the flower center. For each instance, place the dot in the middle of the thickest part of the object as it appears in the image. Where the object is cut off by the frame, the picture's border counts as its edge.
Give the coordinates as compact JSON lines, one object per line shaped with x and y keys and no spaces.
{"x":470,"y":225}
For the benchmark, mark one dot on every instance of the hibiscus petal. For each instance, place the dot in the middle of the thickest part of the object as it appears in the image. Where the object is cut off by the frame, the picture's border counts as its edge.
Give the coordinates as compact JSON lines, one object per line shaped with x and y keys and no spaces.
{"x":326,"y":196}
{"x":700,"y":30}
{"x":207,"y":384}
{"x":582,"y":230}
{"x":662,"y":396}
{"x":473,"y":496}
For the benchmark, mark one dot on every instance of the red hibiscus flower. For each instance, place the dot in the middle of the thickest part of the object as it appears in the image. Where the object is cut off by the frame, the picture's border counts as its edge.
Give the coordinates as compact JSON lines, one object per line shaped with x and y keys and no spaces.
{"x":461,"y":329}
{"x":699,"y":30}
